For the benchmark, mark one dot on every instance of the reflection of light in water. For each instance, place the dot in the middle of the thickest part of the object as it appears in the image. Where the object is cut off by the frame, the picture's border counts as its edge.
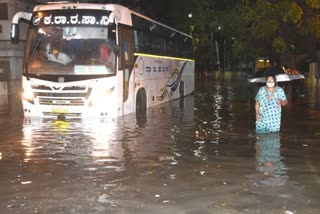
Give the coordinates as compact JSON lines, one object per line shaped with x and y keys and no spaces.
{"x":269,"y":160}
{"x":75,"y":139}
{"x":210,"y":127}
{"x":220,"y":114}
{"x":217,"y":107}
{"x":60,"y":125}
{"x":102,"y":139}
{"x":37,"y":130}
{"x":27,"y":140}
{"x":200,"y":152}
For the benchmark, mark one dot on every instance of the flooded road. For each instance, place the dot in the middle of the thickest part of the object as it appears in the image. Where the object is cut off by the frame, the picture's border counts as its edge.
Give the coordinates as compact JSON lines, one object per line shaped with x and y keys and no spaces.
{"x":198,"y":156}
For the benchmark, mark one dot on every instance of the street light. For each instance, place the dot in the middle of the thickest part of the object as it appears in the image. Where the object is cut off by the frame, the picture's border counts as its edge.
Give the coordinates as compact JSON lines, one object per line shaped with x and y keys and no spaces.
{"x":191,"y":27}
{"x":217,"y":50}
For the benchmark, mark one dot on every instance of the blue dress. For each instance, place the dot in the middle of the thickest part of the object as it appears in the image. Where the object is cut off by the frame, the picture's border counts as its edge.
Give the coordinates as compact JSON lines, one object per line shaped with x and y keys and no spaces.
{"x":269,"y":110}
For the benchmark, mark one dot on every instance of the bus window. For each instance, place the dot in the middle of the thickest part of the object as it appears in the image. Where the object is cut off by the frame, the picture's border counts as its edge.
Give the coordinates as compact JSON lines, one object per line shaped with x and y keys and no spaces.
{"x":126,"y":48}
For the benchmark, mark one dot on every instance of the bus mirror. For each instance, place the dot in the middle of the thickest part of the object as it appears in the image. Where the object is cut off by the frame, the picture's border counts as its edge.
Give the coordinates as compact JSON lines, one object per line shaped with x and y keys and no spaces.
{"x":117,"y":50}
{"x":14,"y":33}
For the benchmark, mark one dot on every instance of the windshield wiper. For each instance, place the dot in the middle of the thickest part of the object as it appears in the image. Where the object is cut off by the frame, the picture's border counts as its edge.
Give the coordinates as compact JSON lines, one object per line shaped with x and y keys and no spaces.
{"x":33,"y":50}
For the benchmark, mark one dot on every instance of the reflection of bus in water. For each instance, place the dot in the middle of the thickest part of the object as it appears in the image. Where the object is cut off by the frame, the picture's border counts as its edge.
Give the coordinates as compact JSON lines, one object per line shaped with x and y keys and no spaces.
{"x":94,"y":60}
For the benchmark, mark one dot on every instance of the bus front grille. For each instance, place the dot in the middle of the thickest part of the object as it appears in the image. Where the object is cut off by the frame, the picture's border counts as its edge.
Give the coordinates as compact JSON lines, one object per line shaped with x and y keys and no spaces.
{"x":61,"y":96}
{"x":60,"y":102}
{"x":50,"y":94}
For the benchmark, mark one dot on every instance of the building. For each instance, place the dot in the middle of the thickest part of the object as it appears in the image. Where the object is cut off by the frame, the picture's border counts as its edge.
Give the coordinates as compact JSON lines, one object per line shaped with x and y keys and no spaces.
{"x":11,"y":55}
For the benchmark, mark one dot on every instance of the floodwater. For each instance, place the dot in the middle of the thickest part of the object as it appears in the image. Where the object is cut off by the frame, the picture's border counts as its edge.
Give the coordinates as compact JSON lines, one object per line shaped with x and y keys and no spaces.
{"x":198,"y":156}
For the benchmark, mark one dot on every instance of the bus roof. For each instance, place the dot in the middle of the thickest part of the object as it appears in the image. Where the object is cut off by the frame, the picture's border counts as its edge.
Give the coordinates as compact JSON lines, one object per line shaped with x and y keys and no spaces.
{"x":124,"y":12}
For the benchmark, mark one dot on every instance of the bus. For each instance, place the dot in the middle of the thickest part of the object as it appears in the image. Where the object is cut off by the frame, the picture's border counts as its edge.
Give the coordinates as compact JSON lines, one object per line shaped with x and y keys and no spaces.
{"x":100,"y":60}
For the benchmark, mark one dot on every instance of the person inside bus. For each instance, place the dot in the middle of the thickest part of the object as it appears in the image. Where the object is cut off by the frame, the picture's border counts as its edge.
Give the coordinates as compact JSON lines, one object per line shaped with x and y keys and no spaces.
{"x":269,"y":100}
{"x":107,"y":56}
{"x":55,"y":55}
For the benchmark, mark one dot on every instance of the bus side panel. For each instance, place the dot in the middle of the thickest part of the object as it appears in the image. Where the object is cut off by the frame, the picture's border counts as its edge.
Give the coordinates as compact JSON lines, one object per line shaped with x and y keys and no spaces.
{"x":188,"y":78}
{"x":161,"y":78}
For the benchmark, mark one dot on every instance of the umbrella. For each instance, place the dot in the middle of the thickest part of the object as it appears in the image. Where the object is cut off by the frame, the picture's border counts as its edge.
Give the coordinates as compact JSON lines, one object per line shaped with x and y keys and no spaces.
{"x":280,"y":73}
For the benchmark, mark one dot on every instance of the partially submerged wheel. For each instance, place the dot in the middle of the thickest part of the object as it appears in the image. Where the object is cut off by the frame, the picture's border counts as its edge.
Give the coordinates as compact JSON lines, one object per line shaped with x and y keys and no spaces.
{"x":181,"y":94}
{"x":181,"y":90}
{"x":141,"y":101}
{"x":141,"y":107}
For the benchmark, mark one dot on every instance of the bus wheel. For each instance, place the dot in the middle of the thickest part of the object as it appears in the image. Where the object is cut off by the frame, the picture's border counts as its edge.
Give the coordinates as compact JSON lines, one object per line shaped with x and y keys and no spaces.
{"x":181,"y":94}
{"x":141,"y":108}
{"x":181,"y":90}
{"x":141,"y":102}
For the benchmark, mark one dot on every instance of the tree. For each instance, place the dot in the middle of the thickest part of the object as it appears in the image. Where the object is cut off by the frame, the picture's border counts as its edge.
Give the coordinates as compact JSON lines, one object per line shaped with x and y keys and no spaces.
{"x":281,"y":30}
{"x":286,"y":31}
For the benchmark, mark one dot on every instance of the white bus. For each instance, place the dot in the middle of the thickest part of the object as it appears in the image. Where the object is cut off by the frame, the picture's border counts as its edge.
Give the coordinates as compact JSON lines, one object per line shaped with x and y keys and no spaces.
{"x":100,"y":60}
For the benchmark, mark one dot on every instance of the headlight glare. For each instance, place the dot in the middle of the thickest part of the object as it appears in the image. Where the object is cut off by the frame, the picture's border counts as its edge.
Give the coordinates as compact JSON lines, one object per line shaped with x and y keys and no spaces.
{"x":28,"y":95}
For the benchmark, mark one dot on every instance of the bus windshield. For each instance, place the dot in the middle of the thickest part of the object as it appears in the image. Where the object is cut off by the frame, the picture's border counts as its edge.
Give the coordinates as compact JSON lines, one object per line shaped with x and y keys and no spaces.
{"x":70,"y":50}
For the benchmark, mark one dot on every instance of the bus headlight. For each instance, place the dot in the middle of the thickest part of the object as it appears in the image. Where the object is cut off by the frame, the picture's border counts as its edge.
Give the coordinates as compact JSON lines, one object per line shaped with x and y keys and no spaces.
{"x":28,"y":95}
{"x":100,"y":99}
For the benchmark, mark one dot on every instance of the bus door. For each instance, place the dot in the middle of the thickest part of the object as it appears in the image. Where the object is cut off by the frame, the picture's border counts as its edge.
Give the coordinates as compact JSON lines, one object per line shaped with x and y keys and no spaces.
{"x":126,"y":64}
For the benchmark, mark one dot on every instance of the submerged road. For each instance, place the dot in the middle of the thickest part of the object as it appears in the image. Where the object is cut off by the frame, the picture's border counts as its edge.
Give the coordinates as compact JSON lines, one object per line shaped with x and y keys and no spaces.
{"x":197,"y":157}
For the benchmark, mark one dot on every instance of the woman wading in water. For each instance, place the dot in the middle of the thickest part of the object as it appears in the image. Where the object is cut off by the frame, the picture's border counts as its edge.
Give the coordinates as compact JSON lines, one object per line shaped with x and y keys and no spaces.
{"x":269,"y":100}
